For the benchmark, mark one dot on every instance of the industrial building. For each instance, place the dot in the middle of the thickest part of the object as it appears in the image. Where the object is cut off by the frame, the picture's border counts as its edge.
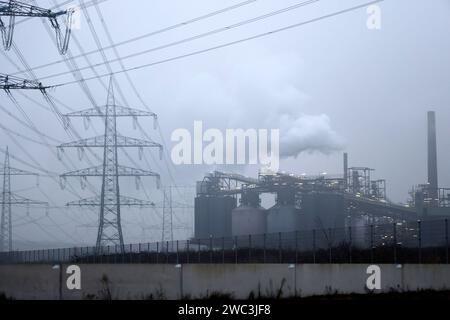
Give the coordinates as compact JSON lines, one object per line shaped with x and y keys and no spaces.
{"x":230,"y":204}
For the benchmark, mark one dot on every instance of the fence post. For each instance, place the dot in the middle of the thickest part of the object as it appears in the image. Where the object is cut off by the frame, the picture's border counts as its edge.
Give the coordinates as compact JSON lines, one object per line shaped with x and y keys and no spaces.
{"x":210,"y":249}
{"x":187,"y":249}
{"x":314,"y":245}
{"x":103,"y":257}
{"x":249,"y":248}
{"x":329,"y":245}
{"x":264,"y":248}
{"x":350,"y":244}
{"x":223,"y":249}
{"x":235,"y":250}
{"x":446,"y":239}
{"x":178,"y":261}
{"x":419,"y":236}
{"x":371,"y":243}
{"x":139,"y":253}
{"x":157,"y":252}
{"x":167,"y":251}
{"x":296,"y":247}
{"x":395,"y":242}
{"x":199,"y":251}
{"x":280,"y":257}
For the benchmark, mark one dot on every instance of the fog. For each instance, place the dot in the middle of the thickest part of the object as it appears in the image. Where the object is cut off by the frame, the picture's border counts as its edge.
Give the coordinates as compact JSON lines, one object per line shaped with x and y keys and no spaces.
{"x":331,"y":86}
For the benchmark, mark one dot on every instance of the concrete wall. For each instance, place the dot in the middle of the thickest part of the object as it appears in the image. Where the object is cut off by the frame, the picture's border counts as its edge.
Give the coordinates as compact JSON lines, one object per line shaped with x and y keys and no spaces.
{"x":141,"y":281}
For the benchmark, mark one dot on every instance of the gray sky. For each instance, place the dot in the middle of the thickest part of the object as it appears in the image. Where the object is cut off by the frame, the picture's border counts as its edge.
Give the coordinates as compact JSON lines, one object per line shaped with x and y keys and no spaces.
{"x":367,"y":90}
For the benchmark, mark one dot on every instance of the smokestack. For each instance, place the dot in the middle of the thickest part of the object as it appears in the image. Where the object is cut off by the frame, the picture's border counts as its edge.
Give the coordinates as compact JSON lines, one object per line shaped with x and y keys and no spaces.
{"x":432,"y":156}
{"x":345,"y":170}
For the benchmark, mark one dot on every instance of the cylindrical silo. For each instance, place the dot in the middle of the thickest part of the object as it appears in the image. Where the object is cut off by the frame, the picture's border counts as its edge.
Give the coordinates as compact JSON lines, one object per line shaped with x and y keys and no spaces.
{"x":246,"y":220}
{"x":284,"y":216}
{"x":249,"y":218}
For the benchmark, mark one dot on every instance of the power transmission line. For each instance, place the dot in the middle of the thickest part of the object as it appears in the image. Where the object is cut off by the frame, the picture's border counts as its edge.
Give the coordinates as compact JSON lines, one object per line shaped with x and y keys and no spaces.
{"x":149,"y":34}
{"x":228,"y":44}
{"x":196,"y":37}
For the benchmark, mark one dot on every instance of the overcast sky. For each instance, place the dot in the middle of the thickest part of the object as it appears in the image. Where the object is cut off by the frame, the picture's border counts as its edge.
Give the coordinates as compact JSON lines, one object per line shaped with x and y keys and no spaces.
{"x":365,"y":92}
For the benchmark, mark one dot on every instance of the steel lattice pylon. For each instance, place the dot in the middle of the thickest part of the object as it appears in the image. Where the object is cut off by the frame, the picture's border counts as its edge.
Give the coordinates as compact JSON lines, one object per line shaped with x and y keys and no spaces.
{"x":8,"y":199}
{"x":6,"y":223}
{"x":167,"y":227}
{"x":110,"y":199}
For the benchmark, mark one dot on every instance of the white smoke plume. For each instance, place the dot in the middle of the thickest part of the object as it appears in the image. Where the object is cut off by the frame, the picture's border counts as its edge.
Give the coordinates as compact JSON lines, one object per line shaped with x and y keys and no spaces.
{"x":308,"y":133}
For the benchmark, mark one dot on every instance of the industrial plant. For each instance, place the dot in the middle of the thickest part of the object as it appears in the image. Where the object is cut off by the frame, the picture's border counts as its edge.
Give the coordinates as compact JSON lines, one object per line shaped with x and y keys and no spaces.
{"x":230,"y":204}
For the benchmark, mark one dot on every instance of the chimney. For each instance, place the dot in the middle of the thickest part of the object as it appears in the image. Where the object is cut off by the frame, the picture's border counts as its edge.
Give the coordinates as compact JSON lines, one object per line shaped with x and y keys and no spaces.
{"x":345,"y":171}
{"x":432,"y":157}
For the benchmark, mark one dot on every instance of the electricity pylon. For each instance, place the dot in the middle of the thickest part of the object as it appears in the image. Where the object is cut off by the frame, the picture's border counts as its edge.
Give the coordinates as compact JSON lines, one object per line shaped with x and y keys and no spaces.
{"x":9,"y":199}
{"x":110,"y":200}
{"x":13,"y":9}
{"x":167,"y":227}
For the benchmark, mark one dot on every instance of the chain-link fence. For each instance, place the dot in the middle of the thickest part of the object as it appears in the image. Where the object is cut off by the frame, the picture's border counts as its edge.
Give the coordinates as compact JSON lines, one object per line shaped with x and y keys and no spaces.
{"x":407,"y":242}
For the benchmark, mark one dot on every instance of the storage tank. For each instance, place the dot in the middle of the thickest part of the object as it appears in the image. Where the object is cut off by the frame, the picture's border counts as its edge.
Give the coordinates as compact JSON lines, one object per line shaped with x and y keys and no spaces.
{"x":249,"y":217}
{"x":323,"y":210}
{"x":284,"y":216}
{"x":361,"y":231}
{"x":248,"y":220}
{"x":213,"y":216}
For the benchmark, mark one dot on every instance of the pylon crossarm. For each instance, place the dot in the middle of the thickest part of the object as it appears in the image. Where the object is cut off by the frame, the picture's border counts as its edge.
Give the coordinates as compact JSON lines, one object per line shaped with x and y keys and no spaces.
{"x":121,"y":142}
{"x":16,"y":8}
{"x":123,"y":171}
{"x":17,"y":172}
{"x":19,"y":200}
{"x":119,"y":112}
{"x":98,"y":141}
{"x":8,"y":82}
{"x":124,"y":201}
